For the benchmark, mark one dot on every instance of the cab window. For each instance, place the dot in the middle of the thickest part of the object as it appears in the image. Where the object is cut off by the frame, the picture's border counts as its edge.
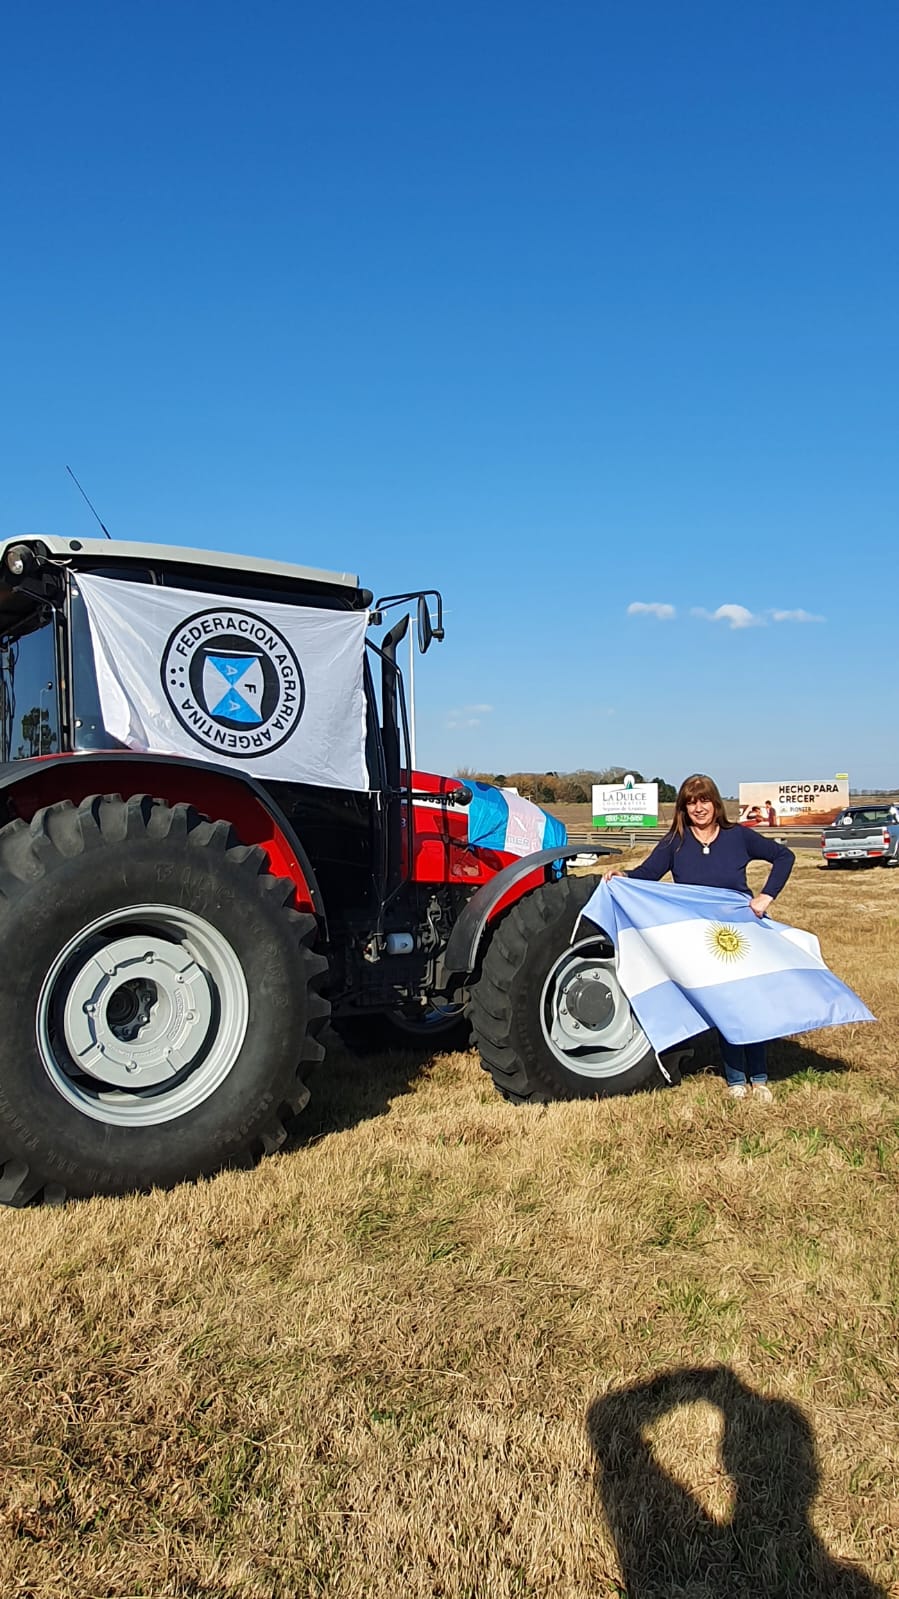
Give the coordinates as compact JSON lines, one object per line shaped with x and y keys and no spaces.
{"x":29,"y":719}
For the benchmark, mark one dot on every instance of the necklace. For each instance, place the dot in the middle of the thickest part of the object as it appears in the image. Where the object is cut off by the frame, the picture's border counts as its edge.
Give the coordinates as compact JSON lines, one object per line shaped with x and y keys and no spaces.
{"x":706,"y":847}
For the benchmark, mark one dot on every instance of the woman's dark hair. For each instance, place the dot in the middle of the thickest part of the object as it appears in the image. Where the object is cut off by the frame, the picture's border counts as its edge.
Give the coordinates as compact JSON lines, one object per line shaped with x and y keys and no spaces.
{"x":693,"y":788}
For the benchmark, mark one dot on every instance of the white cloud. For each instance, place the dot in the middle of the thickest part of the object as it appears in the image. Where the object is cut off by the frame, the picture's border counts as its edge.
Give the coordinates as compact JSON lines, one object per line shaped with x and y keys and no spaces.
{"x":733,"y":615}
{"x":796,"y":616}
{"x":662,"y":613}
{"x":468,"y":716}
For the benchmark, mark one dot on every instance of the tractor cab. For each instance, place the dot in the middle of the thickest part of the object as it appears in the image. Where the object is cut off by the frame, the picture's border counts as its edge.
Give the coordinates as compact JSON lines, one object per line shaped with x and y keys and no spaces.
{"x":232,"y":688}
{"x":40,"y":594}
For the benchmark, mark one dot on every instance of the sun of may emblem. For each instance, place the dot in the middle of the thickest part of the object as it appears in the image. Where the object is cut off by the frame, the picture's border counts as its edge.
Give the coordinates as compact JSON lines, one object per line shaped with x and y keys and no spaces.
{"x":726,"y":942}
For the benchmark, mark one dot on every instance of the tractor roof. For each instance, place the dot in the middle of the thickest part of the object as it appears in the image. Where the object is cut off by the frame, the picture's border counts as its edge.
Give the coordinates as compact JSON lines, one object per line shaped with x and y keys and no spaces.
{"x":112,"y":552}
{"x":22,"y":608}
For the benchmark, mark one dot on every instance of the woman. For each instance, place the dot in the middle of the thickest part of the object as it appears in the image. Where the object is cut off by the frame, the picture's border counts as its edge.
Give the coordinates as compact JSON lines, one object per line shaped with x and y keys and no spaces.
{"x":703,"y":848}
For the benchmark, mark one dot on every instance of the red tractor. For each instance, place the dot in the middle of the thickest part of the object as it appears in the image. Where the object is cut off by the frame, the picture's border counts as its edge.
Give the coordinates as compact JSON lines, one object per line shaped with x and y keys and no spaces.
{"x":212,"y":840}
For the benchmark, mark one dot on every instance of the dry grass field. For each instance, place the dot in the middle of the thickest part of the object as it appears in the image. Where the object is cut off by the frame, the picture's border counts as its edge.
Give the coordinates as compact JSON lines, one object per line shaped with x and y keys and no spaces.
{"x":447,"y":1347}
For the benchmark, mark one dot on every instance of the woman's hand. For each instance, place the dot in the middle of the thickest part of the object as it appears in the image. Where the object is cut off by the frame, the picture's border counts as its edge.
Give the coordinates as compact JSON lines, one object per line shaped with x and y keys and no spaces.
{"x":615,"y":872}
{"x":760,"y":902}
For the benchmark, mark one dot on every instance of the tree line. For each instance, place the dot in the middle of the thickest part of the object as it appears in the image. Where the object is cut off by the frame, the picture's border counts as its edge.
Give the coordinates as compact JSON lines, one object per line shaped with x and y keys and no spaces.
{"x":564,"y":788}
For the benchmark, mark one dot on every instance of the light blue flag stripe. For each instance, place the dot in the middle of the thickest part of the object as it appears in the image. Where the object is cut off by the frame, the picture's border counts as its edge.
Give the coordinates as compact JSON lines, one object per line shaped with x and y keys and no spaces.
{"x":665,"y":902}
{"x":668,"y":1016}
{"x":488,"y":817}
{"x":749,"y":1011}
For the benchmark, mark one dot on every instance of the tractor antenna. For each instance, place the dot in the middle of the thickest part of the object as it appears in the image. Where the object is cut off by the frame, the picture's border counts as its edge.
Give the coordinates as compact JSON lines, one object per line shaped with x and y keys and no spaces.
{"x":84,"y":497}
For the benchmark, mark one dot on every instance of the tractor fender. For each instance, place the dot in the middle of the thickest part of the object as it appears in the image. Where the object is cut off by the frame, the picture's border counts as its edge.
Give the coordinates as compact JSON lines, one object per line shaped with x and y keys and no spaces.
{"x":218,"y":792}
{"x":503,"y":890}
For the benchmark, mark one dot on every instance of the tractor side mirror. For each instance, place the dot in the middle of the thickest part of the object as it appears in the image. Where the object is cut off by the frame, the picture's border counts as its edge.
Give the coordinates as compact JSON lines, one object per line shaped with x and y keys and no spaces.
{"x":427,"y":632}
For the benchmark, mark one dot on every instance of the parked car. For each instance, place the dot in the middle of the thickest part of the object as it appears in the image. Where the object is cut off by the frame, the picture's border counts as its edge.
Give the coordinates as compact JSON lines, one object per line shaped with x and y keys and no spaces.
{"x":863,"y":833}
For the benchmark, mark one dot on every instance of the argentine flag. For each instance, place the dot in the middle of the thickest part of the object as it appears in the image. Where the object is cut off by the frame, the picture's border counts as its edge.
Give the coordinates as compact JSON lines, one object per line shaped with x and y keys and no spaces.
{"x":692,"y":958}
{"x":501,"y":820}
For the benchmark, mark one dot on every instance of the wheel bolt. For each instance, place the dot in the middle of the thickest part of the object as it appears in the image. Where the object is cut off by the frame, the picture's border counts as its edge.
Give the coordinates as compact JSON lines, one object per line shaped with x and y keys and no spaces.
{"x":131,"y":1066}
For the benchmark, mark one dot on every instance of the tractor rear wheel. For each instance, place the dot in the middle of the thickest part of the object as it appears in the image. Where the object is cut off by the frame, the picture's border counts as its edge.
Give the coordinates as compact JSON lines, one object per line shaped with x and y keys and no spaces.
{"x":159,"y":996}
{"x":548,"y":1016}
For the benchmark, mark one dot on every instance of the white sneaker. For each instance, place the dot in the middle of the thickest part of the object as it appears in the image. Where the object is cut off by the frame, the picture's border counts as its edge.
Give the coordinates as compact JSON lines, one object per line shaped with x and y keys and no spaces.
{"x":738,"y":1090}
{"x":762,"y":1091}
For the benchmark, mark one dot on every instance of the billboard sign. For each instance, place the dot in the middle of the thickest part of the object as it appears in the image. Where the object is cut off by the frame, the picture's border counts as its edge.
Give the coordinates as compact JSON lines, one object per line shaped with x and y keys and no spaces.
{"x":793,"y":804}
{"x":625,"y":804}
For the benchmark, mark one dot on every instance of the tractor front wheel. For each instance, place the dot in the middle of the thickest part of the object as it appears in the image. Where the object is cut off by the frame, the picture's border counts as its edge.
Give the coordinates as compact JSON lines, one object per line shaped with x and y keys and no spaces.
{"x":548,"y":1016}
{"x":159,"y":995}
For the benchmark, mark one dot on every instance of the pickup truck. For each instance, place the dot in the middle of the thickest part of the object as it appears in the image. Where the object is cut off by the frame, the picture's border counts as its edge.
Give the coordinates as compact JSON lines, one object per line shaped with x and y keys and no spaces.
{"x":863,"y":833}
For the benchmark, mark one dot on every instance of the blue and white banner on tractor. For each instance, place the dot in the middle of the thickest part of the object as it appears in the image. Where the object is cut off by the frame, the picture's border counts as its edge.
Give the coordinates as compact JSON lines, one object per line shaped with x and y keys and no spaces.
{"x":693,"y":958}
{"x":501,"y":820}
{"x":274,"y":690}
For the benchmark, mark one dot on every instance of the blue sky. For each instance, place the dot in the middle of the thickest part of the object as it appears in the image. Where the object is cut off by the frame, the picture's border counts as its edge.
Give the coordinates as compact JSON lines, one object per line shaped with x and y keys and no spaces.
{"x":562,"y":309}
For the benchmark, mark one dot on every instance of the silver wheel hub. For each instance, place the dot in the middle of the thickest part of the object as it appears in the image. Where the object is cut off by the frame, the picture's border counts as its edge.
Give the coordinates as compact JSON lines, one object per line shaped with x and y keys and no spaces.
{"x":142,"y":1015}
{"x":137,"y":1012}
{"x":587,"y":1021}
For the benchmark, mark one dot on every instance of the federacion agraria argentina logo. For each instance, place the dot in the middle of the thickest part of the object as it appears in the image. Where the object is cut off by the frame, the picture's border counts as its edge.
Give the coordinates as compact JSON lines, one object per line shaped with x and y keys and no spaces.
{"x":233,"y":682}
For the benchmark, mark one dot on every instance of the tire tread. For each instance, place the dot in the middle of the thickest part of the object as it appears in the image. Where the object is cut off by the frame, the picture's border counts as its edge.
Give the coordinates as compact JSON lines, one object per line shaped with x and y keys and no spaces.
{"x":28,"y":850}
{"x":502,"y":984}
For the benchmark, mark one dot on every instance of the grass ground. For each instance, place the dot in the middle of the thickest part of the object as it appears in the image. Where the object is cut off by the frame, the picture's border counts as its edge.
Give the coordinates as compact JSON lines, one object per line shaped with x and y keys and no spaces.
{"x":448,"y":1347}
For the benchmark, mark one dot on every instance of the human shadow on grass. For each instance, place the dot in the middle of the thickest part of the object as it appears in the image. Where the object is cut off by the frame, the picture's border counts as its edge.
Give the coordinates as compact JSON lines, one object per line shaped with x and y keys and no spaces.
{"x":786,"y":1058}
{"x":349,"y":1086}
{"x":667,"y":1543}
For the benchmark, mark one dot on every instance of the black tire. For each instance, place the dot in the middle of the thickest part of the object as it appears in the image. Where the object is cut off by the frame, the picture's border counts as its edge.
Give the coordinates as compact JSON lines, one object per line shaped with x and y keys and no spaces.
{"x":508,"y":1017}
{"x":370,"y":1035}
{"x":69,"y":881}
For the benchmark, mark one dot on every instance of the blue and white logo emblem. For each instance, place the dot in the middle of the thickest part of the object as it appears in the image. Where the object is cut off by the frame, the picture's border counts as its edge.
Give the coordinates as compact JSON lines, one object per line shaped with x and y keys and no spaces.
{"x":232,"y":687}
{"x":233,"y":682}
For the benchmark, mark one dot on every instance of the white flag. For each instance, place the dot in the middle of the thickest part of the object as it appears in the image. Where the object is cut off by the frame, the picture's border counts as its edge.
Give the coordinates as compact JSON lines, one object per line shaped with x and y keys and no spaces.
{"x":274,"y":690}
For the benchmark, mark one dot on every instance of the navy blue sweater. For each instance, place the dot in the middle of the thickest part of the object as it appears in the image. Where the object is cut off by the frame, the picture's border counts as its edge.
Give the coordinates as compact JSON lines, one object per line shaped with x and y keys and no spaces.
{"x":725,"y":864}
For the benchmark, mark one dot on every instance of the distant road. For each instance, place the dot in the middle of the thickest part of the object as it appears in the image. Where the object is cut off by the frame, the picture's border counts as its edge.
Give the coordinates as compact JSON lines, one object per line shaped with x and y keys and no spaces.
{"x":795,"y":838}
{"x":579,"y":819}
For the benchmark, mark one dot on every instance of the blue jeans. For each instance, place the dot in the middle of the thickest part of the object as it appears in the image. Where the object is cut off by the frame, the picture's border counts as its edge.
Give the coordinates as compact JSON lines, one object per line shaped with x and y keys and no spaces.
{"x":742,"y":1061}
